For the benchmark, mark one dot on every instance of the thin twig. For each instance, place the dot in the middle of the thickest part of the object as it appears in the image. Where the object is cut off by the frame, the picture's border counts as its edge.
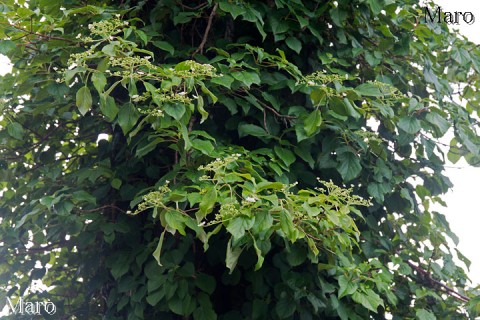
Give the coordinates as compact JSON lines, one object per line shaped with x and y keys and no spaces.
{"x":103,"y":207}
{"x":207,"y":30}
{"x":43,"y":36}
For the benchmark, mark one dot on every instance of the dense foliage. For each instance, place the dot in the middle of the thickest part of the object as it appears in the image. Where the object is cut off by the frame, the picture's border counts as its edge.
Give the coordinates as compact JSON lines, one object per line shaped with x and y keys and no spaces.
{"x":233,"y":159}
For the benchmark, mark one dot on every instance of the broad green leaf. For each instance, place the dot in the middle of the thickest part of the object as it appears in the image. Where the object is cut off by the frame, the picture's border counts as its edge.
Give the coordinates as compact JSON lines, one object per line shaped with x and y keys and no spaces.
{"x":204,"y":146}
{"x":409,"y":124}
{"x":369,"y":89}
{"x":175,"y":220}
{"x":7,"y":46}
{"x":142,"y":35}
{"x":351,"y":109}
{"x":246,"y":77}
{"x":238,"y":225}
{"x":175,"y":110}
{"x":369,"y":299}
{"x":99,"y":81}
{"x":205,"y":282}
{"x":348,"y":165}
{"x":165,"y":46}
{"x":205,"y":311}
{"x":294,"y":44}
{"x":127,"y":117}
{"x":304,"y":152}
{"x":251,"y":130}
{"x":423,"y":314}
{"x":347,"y":286}
{"x":209,"y":200}
{"x":84,"y":100}
{"x":376,"y":6}
{"x":84,"y":196}
{"x":287,"y":156}
{"x":15,"y":130}
{"x":285,"y":308}
{"x":224,"y":80}
{"x":438,"y":121}
{"x":108,"y":107}
{"x":312,"y":122}
{"x":234,"y":9}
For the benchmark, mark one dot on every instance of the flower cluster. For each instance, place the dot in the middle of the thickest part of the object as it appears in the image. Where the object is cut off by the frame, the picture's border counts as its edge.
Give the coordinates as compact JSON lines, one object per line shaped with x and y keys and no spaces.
{"x":191,"y":68}
{"x":153,"y":199}
{"x":106,"y":28}
{"x":319,"y":78}
{"x":220,"y":163}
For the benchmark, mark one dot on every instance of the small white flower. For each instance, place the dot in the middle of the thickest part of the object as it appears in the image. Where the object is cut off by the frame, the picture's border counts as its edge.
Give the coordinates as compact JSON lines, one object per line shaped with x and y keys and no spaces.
{"x":201,"y":224}
{"x":311,"y":83}
{"x":250,"y":199}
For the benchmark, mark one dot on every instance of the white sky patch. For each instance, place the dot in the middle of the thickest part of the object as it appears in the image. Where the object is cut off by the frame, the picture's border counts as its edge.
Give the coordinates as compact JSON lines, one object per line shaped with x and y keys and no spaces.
{"x":463,"y":212}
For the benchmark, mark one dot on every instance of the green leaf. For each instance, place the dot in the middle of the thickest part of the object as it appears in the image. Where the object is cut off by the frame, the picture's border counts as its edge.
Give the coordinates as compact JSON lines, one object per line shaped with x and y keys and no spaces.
{"x":224,"y":80}
{"x":246,"y":77}
{"x":423,"y":314}
{"x":376,"y":6}
{"x":204,"y":146}
{"x":15,"y":130}
{"x":232,"y":8}
{"x":294,"y":44}
{"x":175,"y":110}
{"x":143,"y":37}
{"x":116,"y":183}
{"x":369,"y":299}
{"x":7,"y":46}
{"x":312,"y":122}
{"x":183,"y":17}
{"x":304,"y":152}
{"x":158,"y":250}
{"x":165,"y":46}
{"x":438,"y":121}
{"x":348,"y":165}
{"x":127,"y":117}
{"x":232,"y":256}
{"x":209,"y":200}
{"x":246,"y":129}
{"x":99,"y":81}
{"x":260,"y":257}
{"x":287,"y":156}
{"x":84,"y":196}
{"x":176,"y":221}
{"x":285,"y":308}
{"x":238,"y":225}
{"x":347,"y":286}
{"x":84,"y":100}
{"x":409,"y":124}
{"x":108,"y":107}
{"x":205,"y":282}
{"x":369,"y":89}
{"x":201,"y":110}
{"x":351,"y":109}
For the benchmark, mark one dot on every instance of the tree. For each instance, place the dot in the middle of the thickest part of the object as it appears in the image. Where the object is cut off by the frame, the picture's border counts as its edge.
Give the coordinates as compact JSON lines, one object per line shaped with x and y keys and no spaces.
{"x":233,"y":159}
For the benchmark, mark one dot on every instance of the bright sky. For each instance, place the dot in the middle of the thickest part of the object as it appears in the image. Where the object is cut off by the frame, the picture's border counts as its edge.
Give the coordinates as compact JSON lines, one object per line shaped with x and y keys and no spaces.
{"x":463,"y":211}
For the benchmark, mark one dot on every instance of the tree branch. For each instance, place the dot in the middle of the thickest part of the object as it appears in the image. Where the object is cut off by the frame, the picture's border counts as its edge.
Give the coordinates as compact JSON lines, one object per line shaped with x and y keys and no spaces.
{"x":207,"y":31}
{"x":428,"y":276}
